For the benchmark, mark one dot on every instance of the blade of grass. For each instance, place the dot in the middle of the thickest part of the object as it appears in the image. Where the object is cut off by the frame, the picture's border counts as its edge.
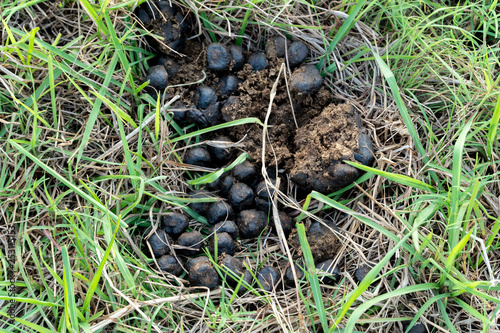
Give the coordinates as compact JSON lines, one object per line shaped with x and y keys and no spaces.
{"x":492,"y":132}
{"x":312,"y":277}
{"x":69,"y":293}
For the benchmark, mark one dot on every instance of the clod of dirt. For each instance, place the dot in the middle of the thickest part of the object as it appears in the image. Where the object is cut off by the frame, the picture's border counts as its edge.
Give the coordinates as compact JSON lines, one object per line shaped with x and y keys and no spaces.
{"x":365,"y":155}
{"x":227,"y":85}
{"x":198,"y":156}
{"x":276,"y":47}
{"x":320,"y":146}
{"x":327,"y":267}
{"x":417,"y":328}
{"x":225,"y":244}
{"x":251,"y":223}
{"x":218,"y":57}
{"x":323,"y":242}
{"x":204,"y":97}
{"x":169,"y":264}
{"x":157,"y":77}
{"x":158,"y":242}
{"x":226,"y":183}
{"x":226,"y":226}
{"x":241,"y":197}
{"x":306,"y":80}
{"x":171,"y":66}
{"x":287,"y":223}
{"x":362,"y":272}
{"x":258,"y":61}
{"x":204,"y":117}
{"x":219,"y":154}
{"x":175,"y":224}
{"x":245,"y":172}
{"x":297,"y":53}
{"x":237,"y":56}
{"x":199,"y":207}
{"x":268,"y":277}
{"x":289,"y":280}
{"x":203,"y":274}
{"x":219,"y":211}
{"x":192,"y":241}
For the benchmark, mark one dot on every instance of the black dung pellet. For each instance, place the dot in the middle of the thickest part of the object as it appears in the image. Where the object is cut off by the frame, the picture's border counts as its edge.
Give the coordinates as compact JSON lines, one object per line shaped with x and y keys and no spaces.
{"x":165,"y":7}
{"x":263,"y":204}
{"x":198,"y":156}
{"x":169,"y":264}
{"x":327,"y":268}
{"x":204,"y":117}
{"x":225,"y":244}
{"x":157,"y":77}
{"x":218,"y":57}
{"x":190,"y":263}
{"x":342,"y":174}
{"x":241,"y":197}
{"x":219,"y":211}
{"x":361,"y":272}
{"x":179,"y":111}
{"x":251,"y":223}
{"x":175,"y":224}
{"x":193,"y":240}
{"x":237,"y":56}
{"x":183,"y":22}
{"x":227,"y":85}
{"x":226,"y":226}
{"x":268,"y":277}
{"x":365,"y":155}
{"x":245,"y":172}
{"x":204,"y":97}
{"x":158,"y":242}
{"x":171,"y":66}
{"x":289,"y":280}
{"x":417,"y":328}
{"x":220,"y":155}
{"x":297,"y":53}
{"x":203,"y":274}
{"x":264,"y":191}
{"x":143,"y":15}
{"x":232,"y":268}
{"x":258,"y":61}
{"x":226,"y":183}
{"x":287,"y":223}
{"x":230,"y":108}
{"x":276,"y":47}
{"x":306,"y":80}
{"x":199,"y":207}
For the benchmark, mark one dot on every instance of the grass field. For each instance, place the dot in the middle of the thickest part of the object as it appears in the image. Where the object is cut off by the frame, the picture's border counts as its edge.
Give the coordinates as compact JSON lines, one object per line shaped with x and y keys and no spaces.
{"x":77,"y":182}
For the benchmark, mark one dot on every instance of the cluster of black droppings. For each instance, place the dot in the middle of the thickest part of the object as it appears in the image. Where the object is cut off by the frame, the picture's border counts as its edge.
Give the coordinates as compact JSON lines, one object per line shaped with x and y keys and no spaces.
{"x":417,"y":328}
{"x":244,"y":209}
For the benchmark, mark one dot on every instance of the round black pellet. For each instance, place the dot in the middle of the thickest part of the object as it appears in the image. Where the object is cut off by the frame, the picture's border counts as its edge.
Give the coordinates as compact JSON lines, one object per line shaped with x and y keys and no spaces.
{"x":218,"y":58}
{"x":204,"y":97}
{"x":237,"y":57}
{"x":327,"y":267}
{"x":225,"y":244}
{"x":175,"y":224}
{"x":169,"y":264}
{"x":157,"y":77}
{"x":198,"y":156}
{"x":226,"y":226}
{"x":219,"y":211}
{"x":258,"y":61}
{"x":193,"y":240}
{"x":251,"y":223}
{"x":219,"y":154}
{"x":306,"y":80}
{"x":241,"y":197}
{"x":297,"y":53}
{"x":158,"y":242}
{"x":227,"y":85}
{"x":203,"y":274}
{"x":268,"y":277}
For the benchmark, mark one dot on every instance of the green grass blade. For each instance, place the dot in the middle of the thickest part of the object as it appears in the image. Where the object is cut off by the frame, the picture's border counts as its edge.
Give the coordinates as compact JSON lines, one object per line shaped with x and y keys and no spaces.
{"x":458,"y":151}
{"x":456,"y":250}
{"x":69,"y":292}
{"x":401,"y":179}
{"x":312,"y":276}
{"x":360,"y":310}
{"x":492,"y":132}
{"x":97,"y":276}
